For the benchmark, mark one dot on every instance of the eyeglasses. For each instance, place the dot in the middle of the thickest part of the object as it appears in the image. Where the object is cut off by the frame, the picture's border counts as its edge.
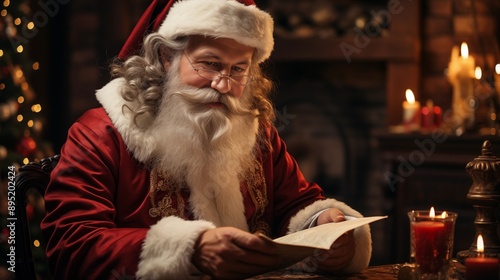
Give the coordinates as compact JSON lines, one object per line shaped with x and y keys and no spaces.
{"x":211,"y":75}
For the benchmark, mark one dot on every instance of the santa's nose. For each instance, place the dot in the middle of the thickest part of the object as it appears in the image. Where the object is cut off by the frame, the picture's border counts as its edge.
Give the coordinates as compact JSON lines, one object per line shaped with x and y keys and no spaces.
{"x":221,"y":84}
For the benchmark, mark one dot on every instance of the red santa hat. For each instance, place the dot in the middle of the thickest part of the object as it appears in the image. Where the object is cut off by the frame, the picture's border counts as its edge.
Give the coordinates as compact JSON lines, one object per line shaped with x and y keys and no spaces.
{"x":240,"y":20}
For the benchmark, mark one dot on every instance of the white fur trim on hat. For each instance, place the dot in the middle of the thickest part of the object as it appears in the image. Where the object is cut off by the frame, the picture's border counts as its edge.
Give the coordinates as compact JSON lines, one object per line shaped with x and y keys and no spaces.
{"x":247,"y":25}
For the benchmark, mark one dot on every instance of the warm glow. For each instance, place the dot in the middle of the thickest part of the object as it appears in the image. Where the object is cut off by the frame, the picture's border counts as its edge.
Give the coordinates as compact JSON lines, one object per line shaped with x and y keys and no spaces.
{"x":30,"y":123}
{"x":20,"y":118}
{"x":19,"y":73}
{"x":478,"y":73}
{"x":36,"y":108}
{"x":425,"y":111}
{"x":432,"y":213}
{"x":497,"y":68}
{"x":480,"y":244}
{"x":20,"y":49}
{"x":26,"y":161}
{"x":25,"y":86}
{"x":36,"y":66}
{"x":17,"y":21}
{"x":38,"y":126}
{"x":2,"y":86}
{"x":3,"y":13}
{"x":36,"y":243}
{"x":409,"y":96}
{"x":1,"y":53}
{"x":6,"y":3}
{"x":20,"y":99}
{"x":360,"y":22}
{"x":437,"y":110}
{"x":464,"y":50}
{"x":30,"y":25}
{"x":444,"y":214}
{"x":3,"y":152}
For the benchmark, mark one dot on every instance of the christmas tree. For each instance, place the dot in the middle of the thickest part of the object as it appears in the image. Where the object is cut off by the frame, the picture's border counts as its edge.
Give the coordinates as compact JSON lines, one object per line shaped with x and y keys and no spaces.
{"x":21,"y":122}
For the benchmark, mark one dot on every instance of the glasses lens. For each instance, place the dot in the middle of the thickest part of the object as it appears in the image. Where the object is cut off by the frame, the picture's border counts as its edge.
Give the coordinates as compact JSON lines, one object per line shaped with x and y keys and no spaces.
{"x":208,"y":74}
{"x":212,"y":75}
{"x":240,"y":79}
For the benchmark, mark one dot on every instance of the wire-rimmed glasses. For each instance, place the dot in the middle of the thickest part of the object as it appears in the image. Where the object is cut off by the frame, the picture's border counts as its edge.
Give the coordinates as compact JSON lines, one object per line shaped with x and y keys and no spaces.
{"x":210,"y":74}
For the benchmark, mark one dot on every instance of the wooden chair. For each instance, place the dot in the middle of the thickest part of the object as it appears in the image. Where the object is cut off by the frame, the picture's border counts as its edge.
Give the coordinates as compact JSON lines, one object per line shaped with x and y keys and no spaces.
{"x":32,"y":175}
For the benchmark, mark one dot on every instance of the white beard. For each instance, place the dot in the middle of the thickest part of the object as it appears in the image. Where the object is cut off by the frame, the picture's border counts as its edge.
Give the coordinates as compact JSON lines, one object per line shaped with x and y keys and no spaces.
{"x":208,"y":148}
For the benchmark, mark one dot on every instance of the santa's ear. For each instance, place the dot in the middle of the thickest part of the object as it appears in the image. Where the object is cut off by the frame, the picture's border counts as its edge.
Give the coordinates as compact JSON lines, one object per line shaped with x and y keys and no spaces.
{"x":165,"y":55}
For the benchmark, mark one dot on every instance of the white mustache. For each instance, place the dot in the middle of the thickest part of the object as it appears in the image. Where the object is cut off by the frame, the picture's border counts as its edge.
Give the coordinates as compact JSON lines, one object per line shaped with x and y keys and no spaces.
{"x":204,"y":96}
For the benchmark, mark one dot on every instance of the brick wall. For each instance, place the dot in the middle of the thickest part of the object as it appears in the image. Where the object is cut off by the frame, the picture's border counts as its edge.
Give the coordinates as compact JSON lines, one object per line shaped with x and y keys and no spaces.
{"x":451,"y":22}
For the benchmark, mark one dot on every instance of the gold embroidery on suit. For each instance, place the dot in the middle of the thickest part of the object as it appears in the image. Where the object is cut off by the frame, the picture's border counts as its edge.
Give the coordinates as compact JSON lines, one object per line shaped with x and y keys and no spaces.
{"x":168,"y":197}
{"x":255,"y":183}
{"x":169,"y":189}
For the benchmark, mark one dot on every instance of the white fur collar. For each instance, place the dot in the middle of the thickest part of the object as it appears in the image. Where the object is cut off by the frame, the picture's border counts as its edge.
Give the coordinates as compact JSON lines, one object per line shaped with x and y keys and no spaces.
{"x":139,"y":142}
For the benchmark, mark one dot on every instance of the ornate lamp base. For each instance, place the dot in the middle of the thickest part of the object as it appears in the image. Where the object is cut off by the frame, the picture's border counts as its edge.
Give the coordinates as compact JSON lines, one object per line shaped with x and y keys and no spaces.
{"x":484,"y":195}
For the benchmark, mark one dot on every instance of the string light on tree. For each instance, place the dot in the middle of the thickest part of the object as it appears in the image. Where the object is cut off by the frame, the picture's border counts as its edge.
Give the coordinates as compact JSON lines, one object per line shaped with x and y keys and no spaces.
{"x":20,"y":109}
{"x":21,"y":119}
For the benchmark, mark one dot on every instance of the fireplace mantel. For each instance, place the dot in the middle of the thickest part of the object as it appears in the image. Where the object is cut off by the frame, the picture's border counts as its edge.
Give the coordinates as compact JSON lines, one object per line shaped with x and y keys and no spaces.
{"x":400,"y":50}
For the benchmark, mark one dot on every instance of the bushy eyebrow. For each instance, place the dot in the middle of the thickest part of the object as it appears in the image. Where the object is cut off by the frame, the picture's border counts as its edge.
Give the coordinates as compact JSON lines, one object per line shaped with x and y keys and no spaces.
{"x":211,"y":55}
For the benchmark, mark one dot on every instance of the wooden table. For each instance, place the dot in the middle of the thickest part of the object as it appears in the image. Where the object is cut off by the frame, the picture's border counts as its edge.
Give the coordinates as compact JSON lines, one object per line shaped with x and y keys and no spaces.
{"x":381,"y":272}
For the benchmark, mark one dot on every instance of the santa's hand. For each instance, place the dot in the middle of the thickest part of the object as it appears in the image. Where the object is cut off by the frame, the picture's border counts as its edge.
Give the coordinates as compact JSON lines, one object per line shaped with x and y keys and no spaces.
{"x":230,"y":253}
{"x":341,"y":252}
{"x":332,"y":215}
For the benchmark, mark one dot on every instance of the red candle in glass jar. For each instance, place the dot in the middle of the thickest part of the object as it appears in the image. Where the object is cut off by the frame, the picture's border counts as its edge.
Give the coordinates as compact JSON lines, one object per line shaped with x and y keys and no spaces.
{"x":431,"y":239}
{"x":481,"y":267}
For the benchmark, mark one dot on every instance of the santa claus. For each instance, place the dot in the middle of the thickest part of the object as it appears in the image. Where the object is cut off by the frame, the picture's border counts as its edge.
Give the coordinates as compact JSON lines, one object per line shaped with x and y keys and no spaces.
{"x":181,"y":166}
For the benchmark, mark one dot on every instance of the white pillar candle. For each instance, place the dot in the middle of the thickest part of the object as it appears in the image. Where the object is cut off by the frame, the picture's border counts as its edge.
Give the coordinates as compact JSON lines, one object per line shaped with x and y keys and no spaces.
{"x":411,"y":112}
{"x":461,"y":74}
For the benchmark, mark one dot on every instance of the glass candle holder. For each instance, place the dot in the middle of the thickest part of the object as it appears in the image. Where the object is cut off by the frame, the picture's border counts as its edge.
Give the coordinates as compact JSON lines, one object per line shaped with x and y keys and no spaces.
{"x":431,"y":246}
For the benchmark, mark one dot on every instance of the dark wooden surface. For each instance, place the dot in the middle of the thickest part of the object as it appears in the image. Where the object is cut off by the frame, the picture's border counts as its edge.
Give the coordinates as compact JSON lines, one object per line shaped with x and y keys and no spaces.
{"x":380,"y":272}
{"x":383,"y":272}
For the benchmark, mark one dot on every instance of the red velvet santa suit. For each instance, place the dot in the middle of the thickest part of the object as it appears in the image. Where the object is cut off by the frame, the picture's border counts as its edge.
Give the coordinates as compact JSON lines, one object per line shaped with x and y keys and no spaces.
{"x":109,"y":216}
{"x":105,"y":208}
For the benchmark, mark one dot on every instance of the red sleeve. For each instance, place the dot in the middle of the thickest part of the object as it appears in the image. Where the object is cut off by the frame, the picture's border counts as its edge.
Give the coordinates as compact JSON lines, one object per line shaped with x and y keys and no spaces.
{"x":290,"y":190}
{"x":83,"y":239}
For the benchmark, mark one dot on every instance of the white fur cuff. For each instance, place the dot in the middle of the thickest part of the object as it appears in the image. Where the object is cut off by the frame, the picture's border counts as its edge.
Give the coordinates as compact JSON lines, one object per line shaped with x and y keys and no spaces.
{"x":362,"y":235}
{"x":168,"y":247}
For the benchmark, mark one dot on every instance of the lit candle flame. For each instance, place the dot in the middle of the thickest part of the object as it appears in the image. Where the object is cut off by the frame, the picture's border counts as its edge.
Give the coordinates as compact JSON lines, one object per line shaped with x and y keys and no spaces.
{"x":480,"y":244}
{"x":497,"y":68}
{"x":478,"y":73}
{"x":464,"y":50}
{"x":432,"y":213}
{"x":409,"y":96}
{"x":444,"y":214}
